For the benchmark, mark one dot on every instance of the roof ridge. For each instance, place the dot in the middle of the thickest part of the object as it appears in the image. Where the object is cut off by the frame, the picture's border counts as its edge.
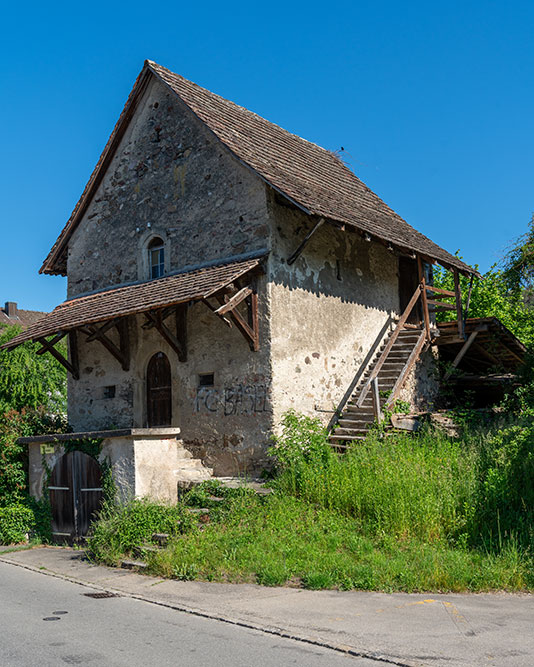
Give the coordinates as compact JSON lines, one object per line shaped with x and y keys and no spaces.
{"x":152,"y":64}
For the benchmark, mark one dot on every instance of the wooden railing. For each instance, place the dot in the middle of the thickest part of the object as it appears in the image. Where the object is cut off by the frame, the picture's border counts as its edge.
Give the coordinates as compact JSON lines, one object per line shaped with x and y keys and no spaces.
{"x":419,"y":296}
{"x":420,"y":293}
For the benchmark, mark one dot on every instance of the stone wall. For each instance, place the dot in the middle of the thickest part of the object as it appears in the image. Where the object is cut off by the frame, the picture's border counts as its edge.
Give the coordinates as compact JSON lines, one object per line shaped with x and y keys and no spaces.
{"x":329,"y":309}
{"x":172,"y":178}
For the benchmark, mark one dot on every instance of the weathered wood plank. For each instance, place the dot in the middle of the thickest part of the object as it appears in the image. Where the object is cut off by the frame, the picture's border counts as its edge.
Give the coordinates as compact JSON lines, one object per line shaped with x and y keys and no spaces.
{"x":414,"y":356}
{"x":57,"y":355}
{"x":234,"y":301}
{"x":465,"y":347}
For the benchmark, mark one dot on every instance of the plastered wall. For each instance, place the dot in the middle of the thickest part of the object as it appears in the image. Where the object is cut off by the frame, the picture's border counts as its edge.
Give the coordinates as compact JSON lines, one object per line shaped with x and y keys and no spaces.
{"x":327,"y":310}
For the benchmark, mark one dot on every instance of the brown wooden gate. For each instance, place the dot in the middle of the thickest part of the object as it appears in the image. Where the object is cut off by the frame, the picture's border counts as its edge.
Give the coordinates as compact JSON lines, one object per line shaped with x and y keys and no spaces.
{"x":159,"y":391}
{"x":75,"y":490}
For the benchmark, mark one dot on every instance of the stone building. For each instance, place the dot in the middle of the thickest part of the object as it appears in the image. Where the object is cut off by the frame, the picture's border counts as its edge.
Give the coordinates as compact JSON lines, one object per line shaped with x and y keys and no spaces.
{"x":222,"y":271}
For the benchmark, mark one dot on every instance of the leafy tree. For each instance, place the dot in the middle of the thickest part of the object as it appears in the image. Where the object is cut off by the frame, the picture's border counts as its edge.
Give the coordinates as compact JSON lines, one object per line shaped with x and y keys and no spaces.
{"x":30,"y":380}
{"x":491,"y":296}
{"x":518,"y":265}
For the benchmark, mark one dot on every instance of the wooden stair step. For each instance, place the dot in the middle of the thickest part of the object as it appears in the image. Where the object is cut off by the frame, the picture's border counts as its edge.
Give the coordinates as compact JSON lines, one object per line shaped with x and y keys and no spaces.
{"x":354,"y":423}
{"x":351,"y":431}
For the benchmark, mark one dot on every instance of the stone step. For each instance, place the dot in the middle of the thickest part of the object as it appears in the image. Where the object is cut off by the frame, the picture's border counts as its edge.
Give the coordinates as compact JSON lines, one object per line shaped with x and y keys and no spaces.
{"x":255,"y":484}
{"x":143,"y":550}
{"x":161,"y":538}
{"x":345,"y":438}
{"x":128,"y":564}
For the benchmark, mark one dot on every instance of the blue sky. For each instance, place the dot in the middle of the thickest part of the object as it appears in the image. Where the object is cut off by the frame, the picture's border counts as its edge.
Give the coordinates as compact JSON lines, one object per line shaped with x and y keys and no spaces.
{"x":432,"y":102}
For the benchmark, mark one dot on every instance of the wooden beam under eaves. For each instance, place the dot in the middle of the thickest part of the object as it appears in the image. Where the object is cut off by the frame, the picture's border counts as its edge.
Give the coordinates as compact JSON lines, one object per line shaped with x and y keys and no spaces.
{"x":121,"y":353}
{"x":178,"y":341}
{"x":48,"y":346}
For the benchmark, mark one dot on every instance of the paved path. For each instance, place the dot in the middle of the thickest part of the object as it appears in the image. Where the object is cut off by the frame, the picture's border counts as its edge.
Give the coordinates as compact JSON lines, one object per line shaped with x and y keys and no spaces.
{"x":399,"y":629}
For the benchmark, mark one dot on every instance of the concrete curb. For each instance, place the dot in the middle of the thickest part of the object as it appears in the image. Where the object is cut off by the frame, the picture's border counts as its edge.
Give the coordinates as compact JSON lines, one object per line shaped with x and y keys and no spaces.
{"x":270,"y":630}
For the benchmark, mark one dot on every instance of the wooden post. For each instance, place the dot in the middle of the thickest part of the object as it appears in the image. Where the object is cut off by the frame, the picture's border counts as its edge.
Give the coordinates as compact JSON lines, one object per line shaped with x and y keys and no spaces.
{"x":422,"y":281}
{"x":375,"y":394}
{"x":124,"y":342}
{"x":73,"y":354}
{"x":468,"y":302}
{"x":458,"y":296}
{"x":181,"y":330}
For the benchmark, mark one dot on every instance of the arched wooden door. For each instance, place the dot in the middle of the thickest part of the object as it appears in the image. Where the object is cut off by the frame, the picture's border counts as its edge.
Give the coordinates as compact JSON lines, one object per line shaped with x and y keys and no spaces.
{"x":75,"y":490}
{"x":159,"y":391}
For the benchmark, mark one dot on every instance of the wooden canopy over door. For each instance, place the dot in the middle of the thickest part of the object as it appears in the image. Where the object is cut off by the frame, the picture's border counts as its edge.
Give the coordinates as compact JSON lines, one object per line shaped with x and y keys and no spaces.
{"x":159,"y":391}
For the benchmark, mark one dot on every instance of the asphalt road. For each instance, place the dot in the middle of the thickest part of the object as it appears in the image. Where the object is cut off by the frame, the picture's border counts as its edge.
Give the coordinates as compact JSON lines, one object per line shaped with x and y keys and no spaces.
{"x":45,"y":621}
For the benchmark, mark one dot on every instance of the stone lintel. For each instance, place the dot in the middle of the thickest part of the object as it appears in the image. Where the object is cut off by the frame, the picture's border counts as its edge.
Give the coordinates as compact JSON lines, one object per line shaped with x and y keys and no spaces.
{"x":139,"y":433}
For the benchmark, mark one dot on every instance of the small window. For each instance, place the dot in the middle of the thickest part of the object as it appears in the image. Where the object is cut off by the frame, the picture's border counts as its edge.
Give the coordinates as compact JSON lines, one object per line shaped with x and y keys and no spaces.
{"x":156,"y":258}
{"x":206,"y":380}
{"x":109,"y":392}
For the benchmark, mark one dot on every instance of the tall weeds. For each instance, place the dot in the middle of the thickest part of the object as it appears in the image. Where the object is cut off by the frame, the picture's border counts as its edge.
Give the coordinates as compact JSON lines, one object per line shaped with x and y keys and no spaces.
{"x":474,"y":491}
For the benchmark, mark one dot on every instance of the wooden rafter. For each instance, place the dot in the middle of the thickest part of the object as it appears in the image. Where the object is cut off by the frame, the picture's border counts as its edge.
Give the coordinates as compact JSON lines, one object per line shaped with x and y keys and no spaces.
{"x":228,"y":309}
{"x":121,"y":353}
{"x":178,"y":341}
{"x":48,"y":346}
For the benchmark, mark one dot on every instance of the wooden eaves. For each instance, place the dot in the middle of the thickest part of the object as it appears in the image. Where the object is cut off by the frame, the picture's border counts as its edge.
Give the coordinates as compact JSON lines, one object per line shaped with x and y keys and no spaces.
{"x":97,"y":316}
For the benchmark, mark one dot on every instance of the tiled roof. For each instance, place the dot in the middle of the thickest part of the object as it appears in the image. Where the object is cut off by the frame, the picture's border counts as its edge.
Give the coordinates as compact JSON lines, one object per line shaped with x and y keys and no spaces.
{"x":131,"y":299}
{"x":24,"y":318}
{"x":310,"y":176}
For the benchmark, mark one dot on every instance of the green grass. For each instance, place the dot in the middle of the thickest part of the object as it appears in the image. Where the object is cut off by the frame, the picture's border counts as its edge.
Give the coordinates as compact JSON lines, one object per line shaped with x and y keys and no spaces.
{"x":424,"y":513}
{"x":285,"y":541}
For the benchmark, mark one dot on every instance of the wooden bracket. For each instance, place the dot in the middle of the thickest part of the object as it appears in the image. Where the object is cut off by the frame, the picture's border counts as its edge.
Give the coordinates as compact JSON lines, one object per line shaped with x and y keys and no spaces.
{"x":228,"y":307}
{"x":294,"y":256}
{"x":465,"y":347}
{"x":234,"y":301}
{"x":121,"y":353}
{"x":48,"y":346}
{"x":178,"y":342}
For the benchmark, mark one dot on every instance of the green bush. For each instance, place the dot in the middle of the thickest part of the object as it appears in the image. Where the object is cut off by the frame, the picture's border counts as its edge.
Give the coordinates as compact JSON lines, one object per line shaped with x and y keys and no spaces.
{"x":301,"y":440}
{"x":29,"y":380}
{"x":16,"y":521}
{"x":120,"y":528}
{"x":14,"y":457}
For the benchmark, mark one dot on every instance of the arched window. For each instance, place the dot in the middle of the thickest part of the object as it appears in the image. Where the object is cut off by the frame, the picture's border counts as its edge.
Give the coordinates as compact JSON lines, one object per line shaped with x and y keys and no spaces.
{"x":156,"y":257}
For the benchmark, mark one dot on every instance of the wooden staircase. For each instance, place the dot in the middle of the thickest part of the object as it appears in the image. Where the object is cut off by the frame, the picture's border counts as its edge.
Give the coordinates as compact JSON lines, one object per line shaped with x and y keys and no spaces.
{"x":387,"y":372}
{"x":360,"y":411}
